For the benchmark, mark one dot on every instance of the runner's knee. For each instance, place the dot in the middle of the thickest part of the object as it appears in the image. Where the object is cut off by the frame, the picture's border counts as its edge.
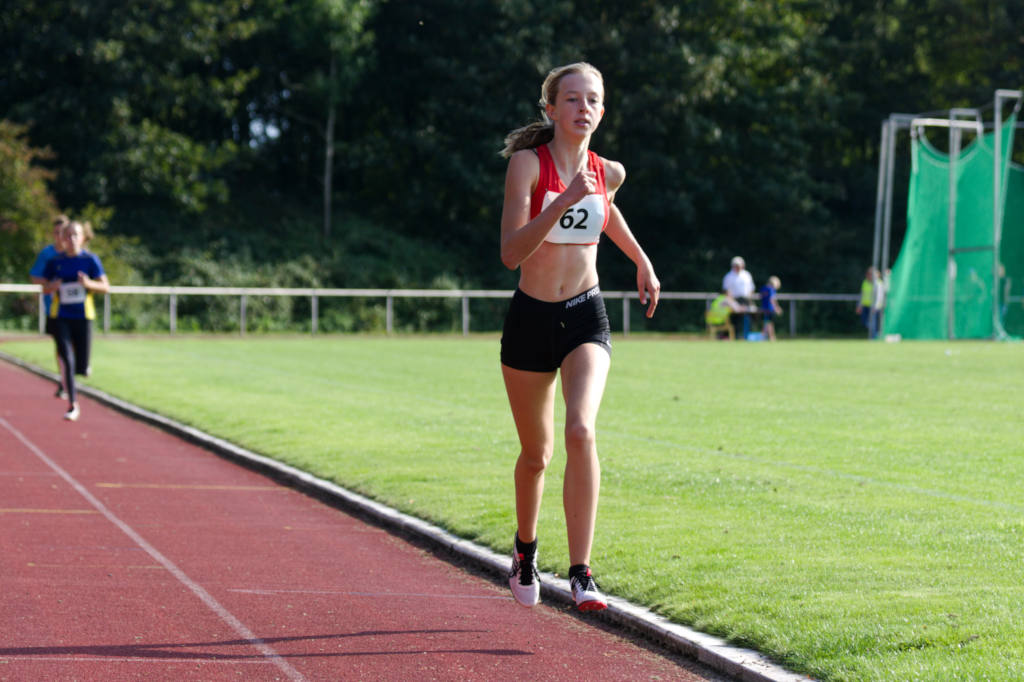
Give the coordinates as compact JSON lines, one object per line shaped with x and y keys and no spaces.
{"x":534,"y":460}
{"x":579,"y":437}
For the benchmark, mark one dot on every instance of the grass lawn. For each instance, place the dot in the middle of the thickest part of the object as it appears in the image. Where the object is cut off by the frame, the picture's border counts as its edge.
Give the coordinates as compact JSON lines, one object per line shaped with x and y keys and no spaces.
{"x":852,"y":509}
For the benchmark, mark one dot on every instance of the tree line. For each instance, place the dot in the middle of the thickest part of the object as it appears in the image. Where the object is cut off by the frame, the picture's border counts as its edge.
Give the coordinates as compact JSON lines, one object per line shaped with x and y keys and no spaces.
{"x":354,"y":142}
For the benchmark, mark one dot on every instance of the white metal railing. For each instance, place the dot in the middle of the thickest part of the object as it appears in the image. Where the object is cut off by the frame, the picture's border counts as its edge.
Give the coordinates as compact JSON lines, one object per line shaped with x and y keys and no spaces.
{"x":389,"y":295}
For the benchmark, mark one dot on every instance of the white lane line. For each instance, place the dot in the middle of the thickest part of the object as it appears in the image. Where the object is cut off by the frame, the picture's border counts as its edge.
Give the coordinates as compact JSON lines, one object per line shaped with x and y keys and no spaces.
{"x":370,"y":594}
{"x":126,"y":659}
{"x":195,"y":588}
{"x":47,"y":511}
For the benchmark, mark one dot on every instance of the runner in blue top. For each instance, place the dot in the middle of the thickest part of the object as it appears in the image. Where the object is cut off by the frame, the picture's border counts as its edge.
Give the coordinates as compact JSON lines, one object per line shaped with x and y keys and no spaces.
{"x":770,"y":307}
{"x":49,"y":252}
{"x":74,"y":276}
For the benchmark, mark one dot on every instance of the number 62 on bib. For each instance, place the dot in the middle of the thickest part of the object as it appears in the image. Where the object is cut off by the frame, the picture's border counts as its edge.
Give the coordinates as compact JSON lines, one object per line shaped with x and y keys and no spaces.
{"x":582,"y":223}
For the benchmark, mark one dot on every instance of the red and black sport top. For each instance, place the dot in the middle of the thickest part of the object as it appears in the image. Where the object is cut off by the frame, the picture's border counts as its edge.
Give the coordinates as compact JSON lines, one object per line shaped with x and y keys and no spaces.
{"x":585,"y":220}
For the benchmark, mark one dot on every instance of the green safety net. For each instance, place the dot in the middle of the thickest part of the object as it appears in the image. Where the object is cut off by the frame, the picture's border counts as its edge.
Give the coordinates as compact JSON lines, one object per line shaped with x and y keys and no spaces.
{"x":1011,"y":289}
{"x":944,"y":288}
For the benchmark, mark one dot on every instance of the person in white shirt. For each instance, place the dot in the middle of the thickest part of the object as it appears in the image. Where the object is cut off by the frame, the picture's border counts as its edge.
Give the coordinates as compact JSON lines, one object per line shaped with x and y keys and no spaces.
{"x":740,"y":286}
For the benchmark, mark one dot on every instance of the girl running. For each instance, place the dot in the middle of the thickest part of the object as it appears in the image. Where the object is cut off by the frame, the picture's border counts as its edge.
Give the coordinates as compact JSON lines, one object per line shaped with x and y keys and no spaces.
{"x":558,"y":202}
{"x":74,"y":276}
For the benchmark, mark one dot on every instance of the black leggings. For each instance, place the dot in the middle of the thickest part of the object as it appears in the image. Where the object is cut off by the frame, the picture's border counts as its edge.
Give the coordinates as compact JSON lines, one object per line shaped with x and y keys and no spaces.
{"x":74,"y":338}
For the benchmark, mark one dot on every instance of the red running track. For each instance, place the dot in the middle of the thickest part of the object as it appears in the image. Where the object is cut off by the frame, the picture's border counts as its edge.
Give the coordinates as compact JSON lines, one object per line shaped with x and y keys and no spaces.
{"x":128,"y":554}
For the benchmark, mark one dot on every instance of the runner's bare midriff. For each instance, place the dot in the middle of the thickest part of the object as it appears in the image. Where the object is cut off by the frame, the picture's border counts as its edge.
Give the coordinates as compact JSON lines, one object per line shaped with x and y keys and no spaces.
{"x":556,"y":272}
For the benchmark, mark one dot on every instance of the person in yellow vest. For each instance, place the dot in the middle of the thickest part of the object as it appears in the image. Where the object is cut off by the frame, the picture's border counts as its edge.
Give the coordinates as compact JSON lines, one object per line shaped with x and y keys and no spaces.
{"x":867,"y":288}
{"x":717,"y":314}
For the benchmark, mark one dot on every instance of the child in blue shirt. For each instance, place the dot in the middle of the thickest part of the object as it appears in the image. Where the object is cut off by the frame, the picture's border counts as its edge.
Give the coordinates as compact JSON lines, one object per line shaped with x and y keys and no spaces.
{"x":770,"y":308}
{"x":74,"y":277}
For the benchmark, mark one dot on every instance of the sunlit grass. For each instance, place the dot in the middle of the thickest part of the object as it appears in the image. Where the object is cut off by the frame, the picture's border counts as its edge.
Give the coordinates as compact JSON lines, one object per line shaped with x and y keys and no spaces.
{"x":852,"y":509}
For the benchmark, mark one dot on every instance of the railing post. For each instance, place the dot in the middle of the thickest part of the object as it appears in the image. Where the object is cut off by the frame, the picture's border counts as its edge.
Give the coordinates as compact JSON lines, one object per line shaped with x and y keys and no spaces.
{"x":389,"y":315}
{"x":106,"y":313}
{"x":172,"y":313}
{"x":241,"y":322}
{"x":625,"y":315}
{"x":315,"y":306}
{"x":42,"y":314}
{"x":792,"y":317}
{"x":465,"y":315}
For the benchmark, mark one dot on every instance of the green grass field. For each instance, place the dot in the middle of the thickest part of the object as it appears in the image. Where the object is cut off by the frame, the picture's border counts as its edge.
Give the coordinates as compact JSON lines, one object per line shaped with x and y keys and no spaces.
{"x":852,"y":509}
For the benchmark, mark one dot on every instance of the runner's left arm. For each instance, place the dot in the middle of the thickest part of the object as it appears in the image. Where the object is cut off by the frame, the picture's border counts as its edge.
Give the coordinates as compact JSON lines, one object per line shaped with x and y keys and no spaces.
{"x":647,"y":283}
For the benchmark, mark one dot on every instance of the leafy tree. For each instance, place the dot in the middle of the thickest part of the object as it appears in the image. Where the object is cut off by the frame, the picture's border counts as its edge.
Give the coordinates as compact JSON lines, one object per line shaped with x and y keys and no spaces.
{"x":451,"y":79}
{"x":304,"y":85}
{"x":746,"y":127}
{"x":27,"y":208}
{"x":136,"y":98}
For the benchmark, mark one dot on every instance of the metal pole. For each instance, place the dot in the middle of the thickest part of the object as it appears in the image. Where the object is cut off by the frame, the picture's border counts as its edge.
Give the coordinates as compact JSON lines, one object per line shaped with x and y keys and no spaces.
{"x":883,"y":149}
{"x":314,"y":314}
{"x":792,"y":317}
{"x":465,"y":315}
{"x":997,"y":142}
{"x":106,"y":313}
{"x":625,"y":315}
{"x":951,"y":274}
{"x":887,"y":220}
{"x":42,"y":314}
{"x":241,"y":321}
{"x":390,"y":313}
{"x":172,"y":313}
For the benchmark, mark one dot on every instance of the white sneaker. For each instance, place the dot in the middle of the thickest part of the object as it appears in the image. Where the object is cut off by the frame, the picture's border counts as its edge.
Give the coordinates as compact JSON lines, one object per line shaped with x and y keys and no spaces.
{"x":524,"y":579}
{"x":72,"y":414}
{"x":586,"y":594}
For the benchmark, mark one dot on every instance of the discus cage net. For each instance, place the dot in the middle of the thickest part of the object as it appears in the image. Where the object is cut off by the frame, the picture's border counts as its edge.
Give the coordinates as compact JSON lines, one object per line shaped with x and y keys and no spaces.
{"x":959,"y":273}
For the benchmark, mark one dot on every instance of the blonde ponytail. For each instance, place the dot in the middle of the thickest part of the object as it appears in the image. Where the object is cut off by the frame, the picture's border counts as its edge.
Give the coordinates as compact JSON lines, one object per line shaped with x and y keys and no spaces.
{"x":528,"y":137}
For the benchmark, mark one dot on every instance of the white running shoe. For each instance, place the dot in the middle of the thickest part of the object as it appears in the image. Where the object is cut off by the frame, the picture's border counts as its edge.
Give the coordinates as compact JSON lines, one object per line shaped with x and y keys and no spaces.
{"x":72,"y":414}
{"x":586,"y":594}
{"x":524,"y":579}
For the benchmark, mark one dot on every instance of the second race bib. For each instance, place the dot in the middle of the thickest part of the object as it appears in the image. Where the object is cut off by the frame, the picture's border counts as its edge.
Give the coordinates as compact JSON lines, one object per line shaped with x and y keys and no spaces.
{"x":72,"y":292}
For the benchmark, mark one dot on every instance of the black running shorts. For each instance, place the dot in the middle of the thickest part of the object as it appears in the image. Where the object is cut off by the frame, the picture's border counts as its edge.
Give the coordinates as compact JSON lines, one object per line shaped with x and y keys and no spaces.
{"x":538,"y":335}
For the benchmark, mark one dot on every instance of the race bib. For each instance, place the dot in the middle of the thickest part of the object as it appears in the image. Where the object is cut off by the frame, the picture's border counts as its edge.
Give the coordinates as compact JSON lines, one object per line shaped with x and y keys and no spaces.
{"x":581,"y":224}
{"x":72,"y":292}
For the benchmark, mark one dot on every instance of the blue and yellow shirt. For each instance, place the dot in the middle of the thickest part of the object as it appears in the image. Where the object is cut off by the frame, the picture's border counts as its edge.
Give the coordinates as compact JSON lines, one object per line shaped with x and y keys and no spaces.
{"x":72,"y":300}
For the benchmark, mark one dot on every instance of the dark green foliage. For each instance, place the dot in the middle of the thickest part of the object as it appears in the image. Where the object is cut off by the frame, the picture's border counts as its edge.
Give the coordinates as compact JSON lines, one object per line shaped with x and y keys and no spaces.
{"x":26,"y":208}
{"x":211,"y":129}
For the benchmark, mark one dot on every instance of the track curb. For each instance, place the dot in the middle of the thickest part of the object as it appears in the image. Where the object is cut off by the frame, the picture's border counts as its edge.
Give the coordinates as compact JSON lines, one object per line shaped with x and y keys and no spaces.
{"x":741,"y":664}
